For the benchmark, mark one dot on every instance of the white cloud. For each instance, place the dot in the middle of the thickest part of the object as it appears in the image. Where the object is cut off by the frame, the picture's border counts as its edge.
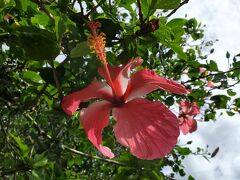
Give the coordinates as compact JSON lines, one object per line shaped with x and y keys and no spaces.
{"x":222,"y":19}
{"x":222,"y":22}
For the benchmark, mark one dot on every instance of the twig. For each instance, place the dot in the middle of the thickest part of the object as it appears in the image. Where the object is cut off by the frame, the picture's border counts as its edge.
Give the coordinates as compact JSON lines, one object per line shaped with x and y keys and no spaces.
{"x":81,"y":7}
{"x":57,"y":82}
{"x":65,"y":60}
{"x":140,"y":14}
{"x":215,"y":74}
{"x":94,"y":8}
{"x":180,"y":5}
{"x":41,"y":5}
{"x":93,"y":157}
{"x":63,"y":126}
{"x":35,"y":125}
{"x":110,"y":5}
{"x":74,"y":1}
{"x":232,"y":85}
{"x":42,"y":132}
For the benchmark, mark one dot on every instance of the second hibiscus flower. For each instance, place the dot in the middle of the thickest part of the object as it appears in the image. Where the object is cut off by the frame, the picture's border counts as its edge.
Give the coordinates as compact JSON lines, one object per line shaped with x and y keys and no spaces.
{"x":187,"y":111}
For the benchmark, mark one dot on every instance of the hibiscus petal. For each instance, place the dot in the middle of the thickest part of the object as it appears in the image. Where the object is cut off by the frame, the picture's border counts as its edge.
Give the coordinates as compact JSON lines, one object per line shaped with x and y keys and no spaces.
{"x":189,"y":108}
{"x":70,"y":103}
{"x":94,"y":119}
{"x":188,"y":125}
{"x":184,"y":126}
{"x":146,"y":81}
{"x":120,"y":75}
{"x":148,"y":128}
{"x":184,"y":106}
{"x":195,"y":109}
{"x":192,"y":123}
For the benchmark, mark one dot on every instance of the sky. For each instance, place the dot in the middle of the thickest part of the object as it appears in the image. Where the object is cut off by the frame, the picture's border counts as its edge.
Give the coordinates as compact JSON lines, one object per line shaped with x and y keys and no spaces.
{"x":222,"y":20}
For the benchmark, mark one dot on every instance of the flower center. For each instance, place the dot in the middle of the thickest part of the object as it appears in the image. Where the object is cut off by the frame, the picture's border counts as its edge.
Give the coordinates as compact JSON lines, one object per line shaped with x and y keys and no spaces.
{"x":118,"y":102}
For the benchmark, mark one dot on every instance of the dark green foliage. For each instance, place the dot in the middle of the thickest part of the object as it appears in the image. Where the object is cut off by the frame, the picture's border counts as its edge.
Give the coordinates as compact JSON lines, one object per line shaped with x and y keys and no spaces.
{"x":38,"y":140}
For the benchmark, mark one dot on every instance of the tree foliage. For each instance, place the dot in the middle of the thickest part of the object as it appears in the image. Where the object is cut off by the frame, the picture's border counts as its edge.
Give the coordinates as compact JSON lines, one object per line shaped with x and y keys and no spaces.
{"x":44,"y":55}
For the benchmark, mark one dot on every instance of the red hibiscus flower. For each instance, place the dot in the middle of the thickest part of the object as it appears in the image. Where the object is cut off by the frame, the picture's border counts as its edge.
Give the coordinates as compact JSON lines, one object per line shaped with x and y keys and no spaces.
{"x":188,"y":110}
{"x":148,"y":128}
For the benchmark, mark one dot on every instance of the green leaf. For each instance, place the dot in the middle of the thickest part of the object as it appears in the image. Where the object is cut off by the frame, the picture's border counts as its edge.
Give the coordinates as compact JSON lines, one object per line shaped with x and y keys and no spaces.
{"x":38,"y":44}
{"x":32,"y":76}
{"x":178,"y":32}
{"x":198,"y":93}
{"x":215,"y":152}
{"x":230,"y":113}
{"x":167,"y":4}
{"x":60,"y":26}
{"x":169,"y":101}
{"x":183,"y":150}
{"x":237,"y":102}
{"x":22,"y":146}
{"x":190,"y":178}
{"x":109,"y":28}
{"x":5,"y":3}
{"x":40,"y":160}
{"x":236,"y":64}
{"x":179,"y":50}
{"x":212,"y":66}
{"x":220,"y":101}
{"x":35,"y":175}
{"x":219,"y":77}
{"x":150,"y":6}
{"x":164,"y":34}
{"x":231,"y":92}
{"x":191,"y":24}
{"x":47,"y":74}
{"x":70,"y":162}
{"x":176,"y":22}
{"x":227,"y":55}
{"x":40,"y":19}
{"x":236,"y":72}
{"x":80,"y":50}
{"x":22,"y":4}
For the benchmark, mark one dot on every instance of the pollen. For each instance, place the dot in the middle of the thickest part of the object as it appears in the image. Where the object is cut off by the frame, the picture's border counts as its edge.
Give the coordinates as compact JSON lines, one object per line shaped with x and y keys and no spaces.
{"x":97,"y":41}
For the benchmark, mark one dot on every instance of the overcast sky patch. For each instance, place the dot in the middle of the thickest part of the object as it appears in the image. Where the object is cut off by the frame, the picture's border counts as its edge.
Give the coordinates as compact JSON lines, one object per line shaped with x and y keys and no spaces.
{"x":222,"y":19}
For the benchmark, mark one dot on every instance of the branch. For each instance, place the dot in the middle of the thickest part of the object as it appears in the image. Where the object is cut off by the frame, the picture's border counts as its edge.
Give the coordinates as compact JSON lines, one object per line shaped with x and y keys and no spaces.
{"x":232,"y":85}
{"x":81,"y":6}
{"x":41,"y":5}
{"x":94,"y":8}
{"x":215,"y":74}
{"x":180,"y":5}
{"x":36,"y":126}
{"x":140,"y":14}
{"x":57,"y":82}
{"x":65,"y":60}
{"x":92,"y":157}
{"x":42,"y":132}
